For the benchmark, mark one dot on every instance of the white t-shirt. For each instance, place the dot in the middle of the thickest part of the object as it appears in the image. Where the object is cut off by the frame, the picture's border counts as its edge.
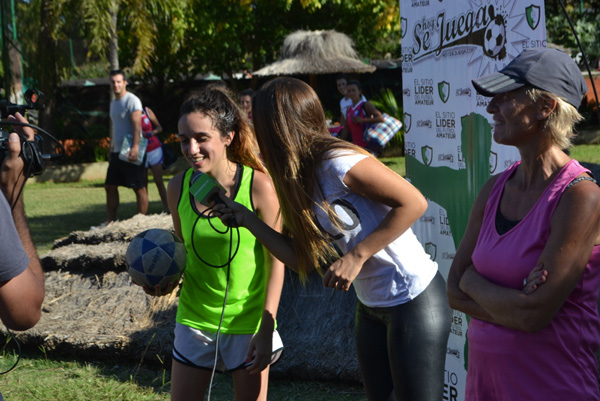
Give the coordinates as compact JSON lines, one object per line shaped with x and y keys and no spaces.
{"x":396,"y":274}
{"x":120,"y":115}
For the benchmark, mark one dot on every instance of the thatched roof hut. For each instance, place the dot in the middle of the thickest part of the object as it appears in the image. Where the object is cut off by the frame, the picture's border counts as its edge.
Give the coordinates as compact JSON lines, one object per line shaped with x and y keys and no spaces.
{"x":316,"y":52}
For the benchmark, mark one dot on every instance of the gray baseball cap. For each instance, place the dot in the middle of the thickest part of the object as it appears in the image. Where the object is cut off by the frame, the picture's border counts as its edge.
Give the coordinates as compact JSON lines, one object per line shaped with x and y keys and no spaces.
{"x":547,"y":69}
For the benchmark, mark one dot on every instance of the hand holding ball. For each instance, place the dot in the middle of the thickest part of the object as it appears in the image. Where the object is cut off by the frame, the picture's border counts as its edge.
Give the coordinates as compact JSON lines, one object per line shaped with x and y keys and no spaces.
{"x":156,"y":260}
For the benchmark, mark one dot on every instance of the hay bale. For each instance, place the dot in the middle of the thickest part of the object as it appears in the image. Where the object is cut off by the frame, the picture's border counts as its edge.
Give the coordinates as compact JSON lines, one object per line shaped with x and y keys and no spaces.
{"x":103,"y":249}
{"x":92,"y":309}
{"x":91,"y":259}
{"x":316,"y":325}
{"x":118,"y":230}
{"x":104,"y":317}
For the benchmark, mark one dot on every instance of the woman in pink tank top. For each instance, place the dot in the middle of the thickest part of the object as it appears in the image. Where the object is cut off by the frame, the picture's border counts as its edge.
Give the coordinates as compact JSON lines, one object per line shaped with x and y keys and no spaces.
{"x":154,"y":154}
{"x":527,"y":271}
{"x":359,"y":115}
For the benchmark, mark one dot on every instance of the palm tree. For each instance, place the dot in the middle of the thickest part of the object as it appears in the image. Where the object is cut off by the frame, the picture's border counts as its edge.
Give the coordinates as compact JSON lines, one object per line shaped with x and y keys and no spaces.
{"x":106,"y":18}
{"x":105,"y":21}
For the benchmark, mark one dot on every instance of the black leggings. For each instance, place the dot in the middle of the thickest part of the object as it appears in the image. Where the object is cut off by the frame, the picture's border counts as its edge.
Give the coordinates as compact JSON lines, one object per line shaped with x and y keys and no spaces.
{"x":402,"y":349}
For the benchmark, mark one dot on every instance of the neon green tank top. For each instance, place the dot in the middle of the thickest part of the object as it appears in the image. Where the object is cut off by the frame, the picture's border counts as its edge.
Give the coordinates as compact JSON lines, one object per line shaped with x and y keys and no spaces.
{"x":203,"y":289}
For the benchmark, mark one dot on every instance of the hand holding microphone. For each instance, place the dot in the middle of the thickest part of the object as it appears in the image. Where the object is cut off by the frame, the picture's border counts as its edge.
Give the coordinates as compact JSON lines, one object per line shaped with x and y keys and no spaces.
{"x":220,"y":208}
{"x":230,"y":212}
{"x":210,"y":193}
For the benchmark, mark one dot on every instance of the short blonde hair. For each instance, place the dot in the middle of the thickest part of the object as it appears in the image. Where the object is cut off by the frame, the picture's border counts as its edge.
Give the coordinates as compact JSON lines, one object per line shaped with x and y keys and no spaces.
{"x":560,"y":124}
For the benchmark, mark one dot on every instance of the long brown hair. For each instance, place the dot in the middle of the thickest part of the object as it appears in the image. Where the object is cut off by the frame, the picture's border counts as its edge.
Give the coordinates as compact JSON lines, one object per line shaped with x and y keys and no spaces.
{"x":217,"y":103}
{"x":292,"y":134}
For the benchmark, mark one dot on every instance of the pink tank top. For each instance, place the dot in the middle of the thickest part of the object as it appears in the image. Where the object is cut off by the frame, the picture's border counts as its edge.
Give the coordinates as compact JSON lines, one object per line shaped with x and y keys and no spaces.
{"x":356,"y":130}
{"x":153,"y":141}
{"x":558,"y":361}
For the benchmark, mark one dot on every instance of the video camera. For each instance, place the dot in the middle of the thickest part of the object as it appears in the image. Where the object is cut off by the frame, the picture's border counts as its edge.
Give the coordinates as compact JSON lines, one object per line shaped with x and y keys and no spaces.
{"x":30,"y":150}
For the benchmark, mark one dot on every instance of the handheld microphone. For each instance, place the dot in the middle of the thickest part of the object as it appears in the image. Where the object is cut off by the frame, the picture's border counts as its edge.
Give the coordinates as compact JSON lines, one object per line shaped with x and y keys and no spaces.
{"x":206,"y":190}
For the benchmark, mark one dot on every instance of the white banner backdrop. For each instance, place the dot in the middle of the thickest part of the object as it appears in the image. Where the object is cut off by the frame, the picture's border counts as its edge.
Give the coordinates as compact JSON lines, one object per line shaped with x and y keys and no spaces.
{"x":448,"y":136}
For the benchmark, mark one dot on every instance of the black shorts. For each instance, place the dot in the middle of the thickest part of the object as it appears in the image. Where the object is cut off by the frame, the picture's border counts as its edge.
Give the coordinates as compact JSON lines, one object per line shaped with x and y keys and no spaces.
{"x":124,"y":174}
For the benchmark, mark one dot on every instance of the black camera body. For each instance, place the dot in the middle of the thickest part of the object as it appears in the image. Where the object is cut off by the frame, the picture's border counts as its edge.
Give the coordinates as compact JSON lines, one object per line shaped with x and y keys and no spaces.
{"x":30,"y":150}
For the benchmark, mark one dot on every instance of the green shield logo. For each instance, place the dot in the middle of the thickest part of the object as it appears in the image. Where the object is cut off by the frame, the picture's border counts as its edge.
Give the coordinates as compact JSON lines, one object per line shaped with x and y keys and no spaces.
{"x":403,"y":27}
{"x":534,"y":15}
{"x":427,"y":155}
{"x":431,"y":250}
{"x":444,"y":91}
{"x":493,"y":162}
{"x":407,"y":122}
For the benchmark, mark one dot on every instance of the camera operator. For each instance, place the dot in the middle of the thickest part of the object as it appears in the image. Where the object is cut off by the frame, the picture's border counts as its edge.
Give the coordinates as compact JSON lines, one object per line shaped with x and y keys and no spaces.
{"x":21,"y":275}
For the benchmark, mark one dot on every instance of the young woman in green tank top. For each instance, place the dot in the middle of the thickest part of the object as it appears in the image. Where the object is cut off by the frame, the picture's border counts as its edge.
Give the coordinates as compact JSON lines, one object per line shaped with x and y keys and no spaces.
{"x":232,"y":305}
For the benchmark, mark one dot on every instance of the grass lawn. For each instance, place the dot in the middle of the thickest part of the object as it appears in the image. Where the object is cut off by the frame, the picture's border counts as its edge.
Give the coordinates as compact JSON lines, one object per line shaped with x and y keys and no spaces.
{"x":586,"y":153}
{"x":396,"y":164}
{"x":42,"y":377}
{"x":57,"y":209}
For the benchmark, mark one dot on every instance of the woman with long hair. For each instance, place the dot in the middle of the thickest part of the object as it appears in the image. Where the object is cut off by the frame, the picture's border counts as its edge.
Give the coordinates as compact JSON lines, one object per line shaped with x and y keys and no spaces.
{"x":348,"y":216}
{"x":231,"y":285}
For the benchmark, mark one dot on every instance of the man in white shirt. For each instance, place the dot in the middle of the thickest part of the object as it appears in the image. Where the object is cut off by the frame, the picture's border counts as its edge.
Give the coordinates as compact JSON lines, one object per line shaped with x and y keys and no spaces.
{"x":126,"y":115}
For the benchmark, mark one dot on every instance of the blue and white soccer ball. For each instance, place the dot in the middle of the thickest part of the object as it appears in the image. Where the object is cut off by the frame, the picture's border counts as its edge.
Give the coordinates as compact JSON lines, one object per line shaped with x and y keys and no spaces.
{"x":156,"y":257}
{"x":495,"y":37}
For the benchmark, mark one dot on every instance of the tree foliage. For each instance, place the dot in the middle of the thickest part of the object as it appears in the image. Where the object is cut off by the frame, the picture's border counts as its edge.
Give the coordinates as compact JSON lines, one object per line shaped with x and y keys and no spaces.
{"x":175,"y":39}
{"x":585,"y":16}
{"x":162,"y":40}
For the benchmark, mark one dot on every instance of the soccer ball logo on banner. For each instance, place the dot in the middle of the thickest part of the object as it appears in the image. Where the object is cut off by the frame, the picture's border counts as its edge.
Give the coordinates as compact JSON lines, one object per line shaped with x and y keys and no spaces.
{"x":495,"y":38}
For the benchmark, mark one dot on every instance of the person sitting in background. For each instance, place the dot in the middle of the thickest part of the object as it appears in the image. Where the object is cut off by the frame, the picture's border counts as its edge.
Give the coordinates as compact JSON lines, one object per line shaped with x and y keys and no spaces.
{"x":154,"y":154}
{"x":527,"y":270}
{"x":359,"y":115}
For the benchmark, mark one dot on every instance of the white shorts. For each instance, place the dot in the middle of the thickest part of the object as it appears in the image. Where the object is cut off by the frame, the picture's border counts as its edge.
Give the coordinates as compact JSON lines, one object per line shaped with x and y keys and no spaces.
{"x":154,"y":157}
{"x":196,"y":348}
